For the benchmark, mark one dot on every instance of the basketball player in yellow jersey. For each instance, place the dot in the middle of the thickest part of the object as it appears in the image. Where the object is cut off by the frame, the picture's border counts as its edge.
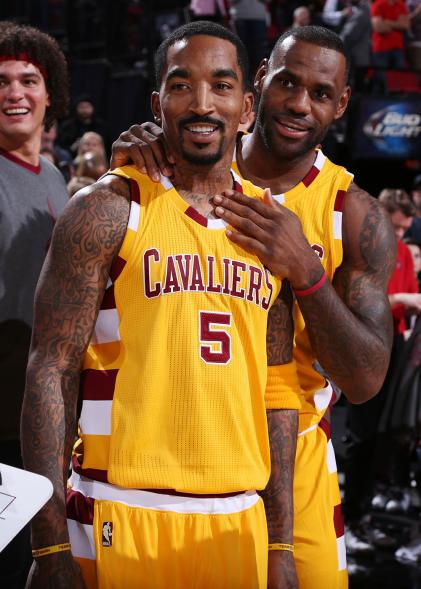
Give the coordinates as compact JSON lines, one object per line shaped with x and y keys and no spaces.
{"x":166,"y":318}
{"x":343,"y":319}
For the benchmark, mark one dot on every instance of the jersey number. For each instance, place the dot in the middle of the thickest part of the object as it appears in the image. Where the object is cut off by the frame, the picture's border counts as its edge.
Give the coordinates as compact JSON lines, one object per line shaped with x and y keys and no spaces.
{"x":215,"y":343}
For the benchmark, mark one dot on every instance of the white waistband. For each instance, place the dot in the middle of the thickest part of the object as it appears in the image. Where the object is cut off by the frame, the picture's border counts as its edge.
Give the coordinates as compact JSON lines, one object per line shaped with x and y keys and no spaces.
{"x":160,"y":501}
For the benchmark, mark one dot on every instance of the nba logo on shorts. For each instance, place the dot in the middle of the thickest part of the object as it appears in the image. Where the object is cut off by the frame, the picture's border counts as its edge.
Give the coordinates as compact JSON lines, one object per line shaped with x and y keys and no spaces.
{"x":107,"y":534}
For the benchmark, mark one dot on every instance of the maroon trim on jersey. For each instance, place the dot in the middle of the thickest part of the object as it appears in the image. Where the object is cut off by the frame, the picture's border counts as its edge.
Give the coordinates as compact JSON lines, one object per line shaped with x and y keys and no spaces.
{"x":134,"y":191}
{"x":98,"y":385}
{"x":237,"y":186}
{"x":17,"y":160}
{"x":117,"y":268}
{"x":339,"y":200}
{"x":91,"y":473}
{"x":324,"y":425}
{"x":108,"y":301}
{"x":79,"y":507}
{"x":338,"y":521}
{"x":310,"y":176}
{"x":193,"y":214}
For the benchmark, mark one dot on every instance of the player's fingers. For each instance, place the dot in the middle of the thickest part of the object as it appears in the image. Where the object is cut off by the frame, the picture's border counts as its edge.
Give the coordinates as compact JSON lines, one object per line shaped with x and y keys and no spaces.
{"x":268,"y":199}
{"x":251,"y":245}
{"x":246,"y":224}
{"x":157,"y":146}
{"x":239,"y":215}
{"x":255,"y":204}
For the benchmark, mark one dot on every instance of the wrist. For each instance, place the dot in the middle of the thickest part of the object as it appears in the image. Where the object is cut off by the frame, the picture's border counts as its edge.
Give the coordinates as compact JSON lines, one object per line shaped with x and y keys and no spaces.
{"x":307,"y":273}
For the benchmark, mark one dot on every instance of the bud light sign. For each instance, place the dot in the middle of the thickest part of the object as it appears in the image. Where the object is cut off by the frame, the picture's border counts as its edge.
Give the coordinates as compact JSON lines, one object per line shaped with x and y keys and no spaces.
{"x":389,"y":128}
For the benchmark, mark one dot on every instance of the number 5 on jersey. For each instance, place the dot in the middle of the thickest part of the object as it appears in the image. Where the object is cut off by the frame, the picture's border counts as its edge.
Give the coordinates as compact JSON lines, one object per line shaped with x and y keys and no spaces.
{"x":215,"y":341}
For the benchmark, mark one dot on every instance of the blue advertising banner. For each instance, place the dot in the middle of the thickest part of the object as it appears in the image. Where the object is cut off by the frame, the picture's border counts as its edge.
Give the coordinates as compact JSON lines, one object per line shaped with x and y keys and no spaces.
{"x":388,"y":128}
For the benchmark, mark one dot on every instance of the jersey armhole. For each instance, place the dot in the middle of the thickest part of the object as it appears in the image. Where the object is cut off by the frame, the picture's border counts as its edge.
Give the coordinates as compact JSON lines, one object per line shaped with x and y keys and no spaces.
{"x":133,"y":222}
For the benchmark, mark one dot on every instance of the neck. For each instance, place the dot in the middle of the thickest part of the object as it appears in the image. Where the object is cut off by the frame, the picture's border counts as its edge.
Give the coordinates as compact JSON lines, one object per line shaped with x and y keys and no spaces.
{"x":199,"y":184}
{"x":261,"y":166}
{"x":28,"y":151}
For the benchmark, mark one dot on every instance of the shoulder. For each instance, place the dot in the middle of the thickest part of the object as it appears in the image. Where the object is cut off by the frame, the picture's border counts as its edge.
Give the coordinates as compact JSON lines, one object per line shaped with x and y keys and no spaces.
{"x":367,"y":230}
{"x":106,"y":199}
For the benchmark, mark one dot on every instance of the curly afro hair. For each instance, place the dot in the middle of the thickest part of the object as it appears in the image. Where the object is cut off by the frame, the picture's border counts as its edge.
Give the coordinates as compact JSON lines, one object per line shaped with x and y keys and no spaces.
{"x":42,"y":50}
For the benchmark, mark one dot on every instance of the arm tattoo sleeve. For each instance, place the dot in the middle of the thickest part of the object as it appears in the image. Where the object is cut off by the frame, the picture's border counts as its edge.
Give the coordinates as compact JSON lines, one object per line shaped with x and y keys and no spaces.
{"x":85,"y":241}
{"x":278,"y":495}
{"x":280,"y":329}
{"x":349,"y":323}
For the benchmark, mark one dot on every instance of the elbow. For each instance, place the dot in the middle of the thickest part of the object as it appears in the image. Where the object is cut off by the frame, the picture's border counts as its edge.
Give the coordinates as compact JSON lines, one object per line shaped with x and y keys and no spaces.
{"x":365,"y":390}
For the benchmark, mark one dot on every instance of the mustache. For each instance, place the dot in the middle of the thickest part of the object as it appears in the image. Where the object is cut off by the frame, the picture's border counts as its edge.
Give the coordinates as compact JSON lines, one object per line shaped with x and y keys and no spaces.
{"x":201,"y":120}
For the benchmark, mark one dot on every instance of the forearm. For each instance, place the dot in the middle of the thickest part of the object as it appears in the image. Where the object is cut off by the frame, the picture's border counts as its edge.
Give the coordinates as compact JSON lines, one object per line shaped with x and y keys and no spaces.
{"x":48,"y":433}
{"x":349,"y":349}
{"x":278,"y":494}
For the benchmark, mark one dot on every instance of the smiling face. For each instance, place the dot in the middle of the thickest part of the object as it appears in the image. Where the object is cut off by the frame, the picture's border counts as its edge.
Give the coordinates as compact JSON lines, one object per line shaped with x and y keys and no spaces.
{"x":23,"y":102}
{"x":302,"y":90}
{"x":201,"y":100}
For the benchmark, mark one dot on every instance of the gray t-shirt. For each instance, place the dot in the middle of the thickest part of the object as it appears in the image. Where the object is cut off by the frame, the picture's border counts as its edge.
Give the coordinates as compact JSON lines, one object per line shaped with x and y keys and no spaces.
{"x":31,"y":198}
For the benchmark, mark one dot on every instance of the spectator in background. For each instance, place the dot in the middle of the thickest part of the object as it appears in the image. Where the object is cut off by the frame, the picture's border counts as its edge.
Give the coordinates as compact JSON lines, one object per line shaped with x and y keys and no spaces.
{"x":363,"y":420}
{"x":84,"y":119}
{"x":91,"y":141}
{"x":356,"y":35}
{"x":62,"y":158}
{"x":92,"y":164}
{"x":77,"y":183}
{"x":414,"y":41}
{"x":301,"y":17}
{"x":250,"y":21}
{"x":334,"y":14}
{"x":213,"y":10}
{"x":414,"y":232}
{"x":389,"y":19}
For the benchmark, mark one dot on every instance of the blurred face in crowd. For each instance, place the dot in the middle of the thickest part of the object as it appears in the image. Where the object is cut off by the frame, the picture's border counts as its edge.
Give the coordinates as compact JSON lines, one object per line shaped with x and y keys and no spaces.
{"x":416,"y":197}
{"x":302,"y":90}
{"x":416,"y":257}
{"x":201,"y":101}
{"x":85,"y":110}
{"x":23,"y":102}
{"x":401,"y":223}
{"x":301,"y":16}
{"x":91,"y":141}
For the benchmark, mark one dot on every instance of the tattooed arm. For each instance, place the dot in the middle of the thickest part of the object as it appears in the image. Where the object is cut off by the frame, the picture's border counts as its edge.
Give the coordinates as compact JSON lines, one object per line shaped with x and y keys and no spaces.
{"x":349,"y":322}
{"x":85,"y":241}
{"x":352,"y":333}
{"x":282,"y":427}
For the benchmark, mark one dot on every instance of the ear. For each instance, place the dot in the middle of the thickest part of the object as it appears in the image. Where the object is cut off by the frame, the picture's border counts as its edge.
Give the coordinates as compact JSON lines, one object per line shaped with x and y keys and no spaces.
{"x":48,"y":100}
{"x":343,"y":102}
{"x":248,"y":102}
{"x":156,"y":107}
{"x":260,"y":75}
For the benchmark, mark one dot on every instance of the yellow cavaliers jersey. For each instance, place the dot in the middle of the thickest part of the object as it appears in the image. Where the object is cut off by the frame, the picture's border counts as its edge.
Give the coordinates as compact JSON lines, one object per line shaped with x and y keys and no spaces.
{"x":318,"y":201}
{"x":174,"y":378}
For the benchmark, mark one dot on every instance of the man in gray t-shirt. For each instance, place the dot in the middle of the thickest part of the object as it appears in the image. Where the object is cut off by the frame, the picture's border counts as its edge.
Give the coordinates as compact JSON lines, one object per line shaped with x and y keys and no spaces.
{"x":33,"y":92}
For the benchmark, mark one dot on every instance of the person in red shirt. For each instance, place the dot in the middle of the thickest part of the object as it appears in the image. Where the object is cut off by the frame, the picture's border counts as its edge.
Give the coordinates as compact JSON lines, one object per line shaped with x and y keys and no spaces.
{"x":389,"y":19}
{"x":403,"y":287}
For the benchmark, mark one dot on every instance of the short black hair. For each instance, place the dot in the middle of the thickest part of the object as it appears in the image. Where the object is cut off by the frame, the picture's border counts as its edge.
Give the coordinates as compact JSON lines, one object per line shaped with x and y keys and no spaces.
{"x":200,"y":27}
{"x":315,"y":35}
{"x":44,"y":52}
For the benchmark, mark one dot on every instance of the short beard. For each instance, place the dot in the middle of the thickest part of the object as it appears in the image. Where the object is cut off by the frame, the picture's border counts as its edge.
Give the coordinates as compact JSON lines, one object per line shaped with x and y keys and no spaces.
{"x":203,"y":160}
{"x":266,"y":134}
{"x":197,"y":159}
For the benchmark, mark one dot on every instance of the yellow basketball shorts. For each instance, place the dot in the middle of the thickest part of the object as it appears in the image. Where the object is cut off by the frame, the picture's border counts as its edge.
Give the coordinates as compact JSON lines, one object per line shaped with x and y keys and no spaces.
{"x":127,"y":538}
{"x":320,"y":555}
